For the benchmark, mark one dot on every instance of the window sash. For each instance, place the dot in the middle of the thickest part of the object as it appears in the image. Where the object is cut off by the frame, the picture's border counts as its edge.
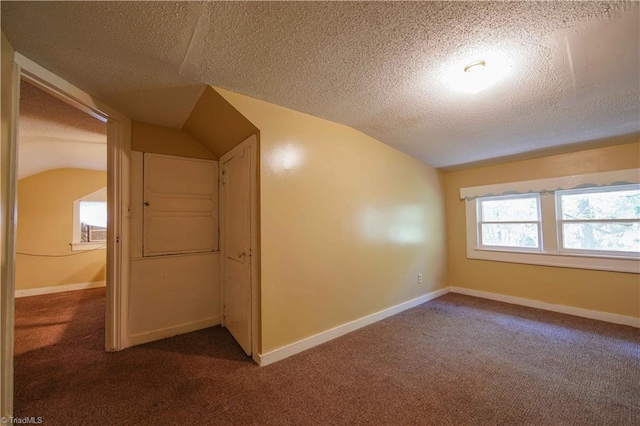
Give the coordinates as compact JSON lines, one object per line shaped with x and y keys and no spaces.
{"x":598,"y":190}
{"x":560,"y":221}
{"x":480,"y":222}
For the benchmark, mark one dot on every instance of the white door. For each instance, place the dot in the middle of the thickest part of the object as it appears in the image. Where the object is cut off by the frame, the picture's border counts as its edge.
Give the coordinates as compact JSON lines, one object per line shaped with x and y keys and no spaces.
{"x":236,"y":243}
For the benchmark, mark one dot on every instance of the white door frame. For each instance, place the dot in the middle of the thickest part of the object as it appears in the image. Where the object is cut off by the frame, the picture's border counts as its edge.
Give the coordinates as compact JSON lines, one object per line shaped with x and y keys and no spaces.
{"x":252,"y":144}
{"x":118,"y":185}
{"x":8,"y":250}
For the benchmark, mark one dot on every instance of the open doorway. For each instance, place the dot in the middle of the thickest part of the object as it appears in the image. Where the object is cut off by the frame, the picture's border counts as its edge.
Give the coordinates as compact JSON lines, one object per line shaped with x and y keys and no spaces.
{"x":117,"y":250}
{"x":61,"y":262}
{"x":62,"y":197}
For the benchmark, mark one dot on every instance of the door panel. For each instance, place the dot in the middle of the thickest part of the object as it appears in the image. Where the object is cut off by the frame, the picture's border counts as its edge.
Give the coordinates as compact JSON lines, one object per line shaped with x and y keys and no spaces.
{"x":177,"y":175}
{"x":180,"y":205}
{"x":236,"y":246}
{"x":238,"y":304}
{"x":180,"y":234}
{"x":237,"y":187}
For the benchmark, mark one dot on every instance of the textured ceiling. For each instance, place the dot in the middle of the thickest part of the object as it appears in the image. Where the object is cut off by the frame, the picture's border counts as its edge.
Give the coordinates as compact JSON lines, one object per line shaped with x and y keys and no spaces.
{"x":56,"y":135}
{"x":570,"y":70}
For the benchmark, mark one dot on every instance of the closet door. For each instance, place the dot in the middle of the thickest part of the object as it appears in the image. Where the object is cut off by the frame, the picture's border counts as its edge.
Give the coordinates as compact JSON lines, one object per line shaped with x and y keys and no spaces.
{"x":180,"y":205}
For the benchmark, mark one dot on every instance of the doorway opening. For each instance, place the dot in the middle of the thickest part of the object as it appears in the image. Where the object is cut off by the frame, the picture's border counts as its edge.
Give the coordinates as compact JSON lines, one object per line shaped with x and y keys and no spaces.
{"x":61,"y":233}
{"x":62,"y":197}
{"x":117,"y":149}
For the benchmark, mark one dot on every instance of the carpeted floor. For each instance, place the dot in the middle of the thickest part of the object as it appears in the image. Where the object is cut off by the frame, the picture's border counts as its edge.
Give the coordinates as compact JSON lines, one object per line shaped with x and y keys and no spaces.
{"x":455,"y":360}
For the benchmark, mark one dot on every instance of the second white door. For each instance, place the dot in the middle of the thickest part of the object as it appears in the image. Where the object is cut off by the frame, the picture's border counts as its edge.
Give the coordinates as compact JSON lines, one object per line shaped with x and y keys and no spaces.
{"x":236,"y":239}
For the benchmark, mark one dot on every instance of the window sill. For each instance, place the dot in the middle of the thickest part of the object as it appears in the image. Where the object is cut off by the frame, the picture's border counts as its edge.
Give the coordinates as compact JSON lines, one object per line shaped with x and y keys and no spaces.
{"x":562,"y":260}
{"x":88,"y":246}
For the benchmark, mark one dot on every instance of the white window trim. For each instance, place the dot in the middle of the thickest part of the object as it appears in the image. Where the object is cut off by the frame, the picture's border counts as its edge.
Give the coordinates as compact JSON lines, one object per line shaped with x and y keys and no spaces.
{"x":551,"y":256}
{"x":76,"y":244}
{"x":552,"y":184}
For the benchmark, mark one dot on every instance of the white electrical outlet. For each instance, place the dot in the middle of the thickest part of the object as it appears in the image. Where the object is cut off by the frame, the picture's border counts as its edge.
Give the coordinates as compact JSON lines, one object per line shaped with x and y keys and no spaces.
{"x":420,"y":278}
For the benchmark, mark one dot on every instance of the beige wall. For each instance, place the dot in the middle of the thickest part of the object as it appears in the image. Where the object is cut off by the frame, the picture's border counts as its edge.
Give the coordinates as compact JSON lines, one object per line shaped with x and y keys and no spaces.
{"x":45,"y":224}
{"x":612,"y":292}
{"x":165,"y":140}
{"x":347,"y":223}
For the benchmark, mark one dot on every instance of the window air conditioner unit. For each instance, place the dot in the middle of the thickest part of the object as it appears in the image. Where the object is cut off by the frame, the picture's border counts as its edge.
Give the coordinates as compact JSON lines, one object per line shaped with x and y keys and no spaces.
{"x":97,"y":234}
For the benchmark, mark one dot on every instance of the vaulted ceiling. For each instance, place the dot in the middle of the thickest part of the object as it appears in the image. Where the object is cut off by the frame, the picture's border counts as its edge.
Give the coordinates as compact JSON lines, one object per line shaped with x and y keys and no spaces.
{"x":557,"y":73}
{"x":55,"y":135}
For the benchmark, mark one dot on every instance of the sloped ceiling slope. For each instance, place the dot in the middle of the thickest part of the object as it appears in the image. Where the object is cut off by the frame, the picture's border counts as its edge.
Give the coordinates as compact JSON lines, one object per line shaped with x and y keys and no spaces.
{"x":563,"y":72}
{"x":216,"y":124}
{"x":54,"y":135}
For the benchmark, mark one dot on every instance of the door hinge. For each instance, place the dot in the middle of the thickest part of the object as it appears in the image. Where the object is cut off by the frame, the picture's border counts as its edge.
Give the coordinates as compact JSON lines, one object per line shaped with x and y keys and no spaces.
{"x":224,"y":179}
{"x":117,"y":238}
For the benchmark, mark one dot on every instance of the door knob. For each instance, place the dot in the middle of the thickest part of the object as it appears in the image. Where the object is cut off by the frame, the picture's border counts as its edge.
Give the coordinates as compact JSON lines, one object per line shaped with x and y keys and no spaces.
{"x":241,"y":253}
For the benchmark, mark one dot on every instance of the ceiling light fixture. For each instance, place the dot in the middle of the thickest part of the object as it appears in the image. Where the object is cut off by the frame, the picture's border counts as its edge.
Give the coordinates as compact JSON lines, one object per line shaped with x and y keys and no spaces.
{"x":475,"y":66}
{"x":477,"y":73}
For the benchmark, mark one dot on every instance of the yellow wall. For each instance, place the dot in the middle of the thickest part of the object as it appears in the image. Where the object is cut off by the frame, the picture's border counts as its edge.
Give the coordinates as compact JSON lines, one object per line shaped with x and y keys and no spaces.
{"x":165,"y":140}
{"x":612,"y":292}
{"x":45,"y":216}
{"x":347,"y":223}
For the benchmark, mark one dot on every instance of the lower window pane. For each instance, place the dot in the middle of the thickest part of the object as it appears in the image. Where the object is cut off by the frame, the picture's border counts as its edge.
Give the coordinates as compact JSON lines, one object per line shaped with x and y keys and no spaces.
{"x":602,"y":236}
{"x":524,"y":235}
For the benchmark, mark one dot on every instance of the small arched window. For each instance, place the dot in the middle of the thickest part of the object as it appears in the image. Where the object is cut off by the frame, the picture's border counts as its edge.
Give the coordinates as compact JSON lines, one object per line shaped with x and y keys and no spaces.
{"x":90,"y":221}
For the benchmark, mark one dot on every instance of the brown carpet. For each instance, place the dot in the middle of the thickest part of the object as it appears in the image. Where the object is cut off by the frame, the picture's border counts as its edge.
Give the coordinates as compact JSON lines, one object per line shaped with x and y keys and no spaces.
{"x":455,"y":360}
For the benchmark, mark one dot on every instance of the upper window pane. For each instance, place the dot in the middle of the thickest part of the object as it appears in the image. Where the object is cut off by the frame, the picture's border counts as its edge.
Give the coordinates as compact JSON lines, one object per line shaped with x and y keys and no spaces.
{"x":93,"y":213}
{"x":509,"y":209}
{"x":617,"y":203}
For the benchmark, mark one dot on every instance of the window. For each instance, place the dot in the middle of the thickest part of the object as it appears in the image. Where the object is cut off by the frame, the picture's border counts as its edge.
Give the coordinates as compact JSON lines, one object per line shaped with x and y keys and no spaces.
{"x":510,"y":222}
{"x":594,"y":227}
{"x":93,"y":221}
{"x":90,"y":221}
{"x":600,"y":220}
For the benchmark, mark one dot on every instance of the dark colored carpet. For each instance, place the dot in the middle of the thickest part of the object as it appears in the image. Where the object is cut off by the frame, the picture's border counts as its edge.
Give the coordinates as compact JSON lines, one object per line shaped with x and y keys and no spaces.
{"x":455,"y":360}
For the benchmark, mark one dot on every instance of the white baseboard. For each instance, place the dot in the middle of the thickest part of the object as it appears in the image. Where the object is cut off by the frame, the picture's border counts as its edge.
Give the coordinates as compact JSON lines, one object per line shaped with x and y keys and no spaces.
{"x":317,"y":339}
{"x":570,"y":310}
{"x":163,"y":333}
{"x":58,"y":289}
{"x":323,"y":337}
